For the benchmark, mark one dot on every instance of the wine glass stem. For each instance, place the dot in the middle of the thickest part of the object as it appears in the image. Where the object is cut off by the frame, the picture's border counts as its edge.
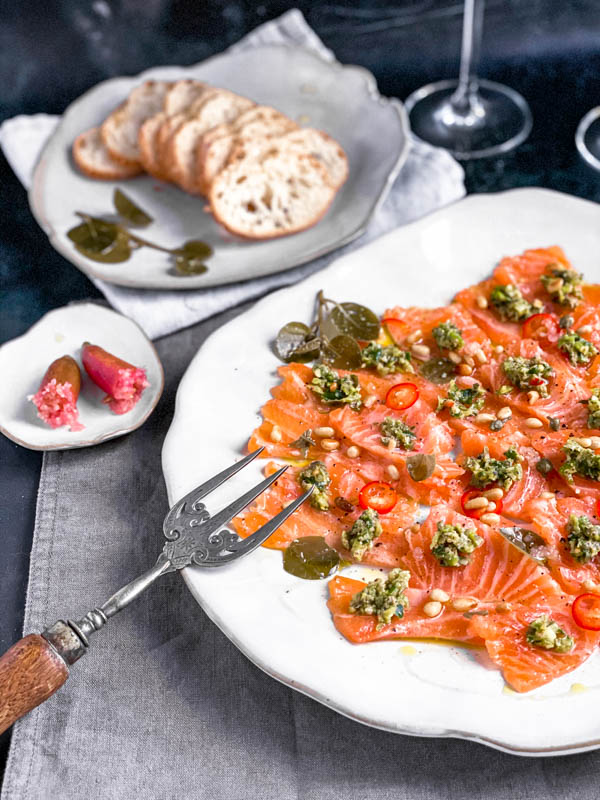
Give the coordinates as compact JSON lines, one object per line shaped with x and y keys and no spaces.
{"x":465,"y":101}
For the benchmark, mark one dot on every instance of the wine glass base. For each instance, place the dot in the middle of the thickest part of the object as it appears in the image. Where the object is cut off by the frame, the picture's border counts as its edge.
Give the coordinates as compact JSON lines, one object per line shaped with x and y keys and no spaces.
{"x":587,"y":137}
{"x":499,"y":122}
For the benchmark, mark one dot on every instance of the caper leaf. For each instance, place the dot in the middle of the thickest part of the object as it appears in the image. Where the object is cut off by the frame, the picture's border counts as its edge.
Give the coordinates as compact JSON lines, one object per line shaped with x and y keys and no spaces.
{"x":438,"y":370}
{"x":342,"y":352}
{"x":194,"y":248}
{"x":303,"y":443}
{"x":527,"y":541}
{"x":127,"y":209}
{"x":355,"y":320}
{"x":190,"y":257}
{"x":101,"y":240}
{"x":190,"y":266}
{"x":420,"y":466}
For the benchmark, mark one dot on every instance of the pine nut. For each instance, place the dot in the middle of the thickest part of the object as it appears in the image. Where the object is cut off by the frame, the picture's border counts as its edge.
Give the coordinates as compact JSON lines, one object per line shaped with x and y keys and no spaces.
{"x":498,"y":349}
{"x":439,"y":595}
{"x":585,"y":442}
{"x":489,"y":519}
{"x":476,"y":502}
{"x":420,"y":351}
{"x":480,"y":356}
{"x":494,"y":494}
{"x":595,"y":442}
{"x":276,"y":434}
{"x":555,"y":285}
{"x":491,"y":506}
{"x":415,"y":527}
{"x":324,"y":432}
{"x":330,"y":444}
{"x":481,"y":301}
{"x":454,"y":357}
{"x":547,"y":496}
{"x":370,"y":400}
{"x":485,"y":418}
{"x":469,"y":360}
{"x":502,"y":608}
{"x":533,"y":422}
{"x":432,"y":608}
{"x":585,"y":329}
{"x":392,"y":471}
{"x":353,"y":451}
{"x":537,"y":303}
{"x":391,"y":445}
{"x":464,"y":603}
{"x":414,"y":336}
{"x":465,"y":369}
{"x":533,"y":397}
{"x":504,"y":413}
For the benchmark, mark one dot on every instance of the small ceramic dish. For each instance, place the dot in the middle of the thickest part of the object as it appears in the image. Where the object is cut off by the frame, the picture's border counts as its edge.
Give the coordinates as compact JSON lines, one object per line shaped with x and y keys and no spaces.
{"x":23,"y":362}
{"x":341,"y":100}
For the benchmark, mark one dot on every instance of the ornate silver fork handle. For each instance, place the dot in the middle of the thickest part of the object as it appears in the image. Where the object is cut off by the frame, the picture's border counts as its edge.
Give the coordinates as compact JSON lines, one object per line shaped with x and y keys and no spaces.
{"x":35,"y":667}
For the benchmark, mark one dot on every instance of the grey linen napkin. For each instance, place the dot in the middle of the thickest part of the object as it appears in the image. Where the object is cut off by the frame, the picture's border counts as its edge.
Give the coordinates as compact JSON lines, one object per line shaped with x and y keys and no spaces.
{"x":163,"y":706}
{"x":430,"y":179}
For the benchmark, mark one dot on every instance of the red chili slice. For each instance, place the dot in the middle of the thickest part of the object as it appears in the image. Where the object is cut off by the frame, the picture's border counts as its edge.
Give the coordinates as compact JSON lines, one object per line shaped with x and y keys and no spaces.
{"x":598,"y":508}
{"x":396,"y":328}
{"x":536,"y":381}
{"x":380,"y":496}
{"x":542,"y":328}
{"x":586,"y":611}
{"x":477,"y":513}
{"x":402,"y":396}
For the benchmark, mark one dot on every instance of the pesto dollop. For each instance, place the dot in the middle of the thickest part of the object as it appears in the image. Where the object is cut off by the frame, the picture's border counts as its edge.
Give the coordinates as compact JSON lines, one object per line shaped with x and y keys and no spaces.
{"x":453,"y":544}
{"x":511,"y":305}
{"x":579,"y":350}
{"x":387,"y":360}
{"x":528,"y":373}
{"x":583,"y":538}
{"x":579,"y":461}
{"x":486,"y":470}
{"x":465,"y":402}
{"x":383,"y":598}
{"x":448,"y":336}
{"x":398,"y":432}
{"x":544,"y":632}
{"x":593,"y":406}
{"x":333,"y":389}
{"x":362,"y":534}
{"x":563,"y":285}
{"x":316,"y":474}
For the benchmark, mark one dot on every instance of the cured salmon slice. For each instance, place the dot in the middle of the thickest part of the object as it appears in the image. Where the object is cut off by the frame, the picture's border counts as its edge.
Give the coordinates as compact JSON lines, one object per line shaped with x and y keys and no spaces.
{"x":361,"y":628}
{"x":550,"y":518}
{"x":524,"y":666}
{"x":550,"y":446}
{"x":346,"y":481}
{"x":496,"y":572}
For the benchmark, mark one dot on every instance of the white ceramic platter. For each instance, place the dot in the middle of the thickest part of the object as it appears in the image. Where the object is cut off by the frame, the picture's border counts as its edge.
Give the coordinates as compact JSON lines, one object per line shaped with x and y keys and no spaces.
{"x":280,"y":622}
{"x":338,"y":99}
{"x":24,"y":361}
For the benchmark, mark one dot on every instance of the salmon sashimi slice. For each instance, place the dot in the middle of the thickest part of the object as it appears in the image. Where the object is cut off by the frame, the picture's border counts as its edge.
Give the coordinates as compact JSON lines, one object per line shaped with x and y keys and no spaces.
{"x":496,"y":572}
{"x":533,"y":482}
{"x":524,"y":666}
{"x":550,"y":445}
{"x":414,"y":624}
{"x":550,"y":518}
{"x":346,"y":481}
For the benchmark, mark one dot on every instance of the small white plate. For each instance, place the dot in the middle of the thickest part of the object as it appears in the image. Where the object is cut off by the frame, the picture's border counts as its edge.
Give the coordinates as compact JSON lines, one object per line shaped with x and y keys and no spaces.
{"x":24,"y":361}
{"x":282,"y":623}
{"x":341,"y":100}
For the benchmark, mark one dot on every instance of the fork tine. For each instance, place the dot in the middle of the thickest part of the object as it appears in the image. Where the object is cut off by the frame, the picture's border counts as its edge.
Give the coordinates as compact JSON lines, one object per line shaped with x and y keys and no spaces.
{"x":229,"y":512}
{"x":210,"y":485}
{"x":245,"y":546}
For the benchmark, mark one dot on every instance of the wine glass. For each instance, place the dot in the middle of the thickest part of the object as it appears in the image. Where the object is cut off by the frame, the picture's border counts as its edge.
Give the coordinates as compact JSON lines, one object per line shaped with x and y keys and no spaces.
{"x":471,"y":118}
{"x":587,"y":137}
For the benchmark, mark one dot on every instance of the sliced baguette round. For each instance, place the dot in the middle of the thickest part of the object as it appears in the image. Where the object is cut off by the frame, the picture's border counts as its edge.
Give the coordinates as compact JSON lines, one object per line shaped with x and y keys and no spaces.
{"x":181,"y":94}
{"x":274,"y":197}
{"x":304,"y":140}
{"x":94,"y":160}
{"x":215,"y":146}
{"x":147,"y":142}
{"x":120,"y":129}
{"x":218,"y":107}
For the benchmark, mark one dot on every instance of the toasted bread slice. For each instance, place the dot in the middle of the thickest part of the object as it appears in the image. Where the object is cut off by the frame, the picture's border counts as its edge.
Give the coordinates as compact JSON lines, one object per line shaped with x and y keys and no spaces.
{"x":120,"y":129}
{"x":216,"y":145}
{"x":182,"y":94}
{"x":94,"y":160}
{"x":147,"y":142}
{"x":271,"y":197}
{"x":304,"y":140}
{"x":218,"y":107}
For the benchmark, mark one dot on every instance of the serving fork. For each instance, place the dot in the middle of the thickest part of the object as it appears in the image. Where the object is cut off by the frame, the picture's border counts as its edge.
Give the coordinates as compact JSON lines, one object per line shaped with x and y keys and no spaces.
{"x":34,"y":668}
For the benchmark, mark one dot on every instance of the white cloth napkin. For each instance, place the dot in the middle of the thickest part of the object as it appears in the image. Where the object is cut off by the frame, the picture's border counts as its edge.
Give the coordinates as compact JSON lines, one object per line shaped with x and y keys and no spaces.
{"x":430,"y":178}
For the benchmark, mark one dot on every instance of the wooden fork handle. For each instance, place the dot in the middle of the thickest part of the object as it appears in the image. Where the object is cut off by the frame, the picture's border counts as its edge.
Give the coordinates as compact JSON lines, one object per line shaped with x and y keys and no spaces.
{"x":33,"y":669}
